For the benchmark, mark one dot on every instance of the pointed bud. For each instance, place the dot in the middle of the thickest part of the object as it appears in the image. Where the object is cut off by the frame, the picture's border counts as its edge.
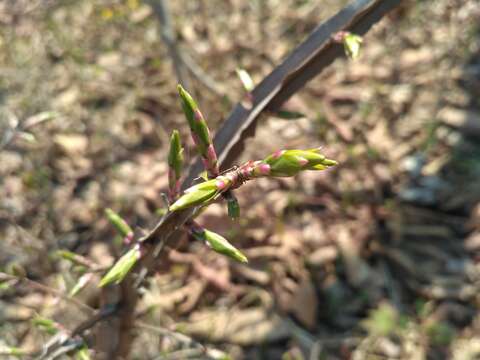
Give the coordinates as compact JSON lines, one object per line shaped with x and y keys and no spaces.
{"x":200,"y":132}
{"x":290,"y":162}
{"x":246,"y":79}
{"x":120,"y":224}
{"x":45,"y":324}
{"x":175,"y":155}
{"x":201,"y":193}
{"x":258,"y":169}
{"x":189,"y":105}
{"x":81,"y":283}
{"x":232,"y":205}
{"x":122,"y":267}
{"x":83,"y":354}
{"x":351,"y":43}
{"x":219,"y":244}
{"x":175,"y":164}
{"x":288,"y":115}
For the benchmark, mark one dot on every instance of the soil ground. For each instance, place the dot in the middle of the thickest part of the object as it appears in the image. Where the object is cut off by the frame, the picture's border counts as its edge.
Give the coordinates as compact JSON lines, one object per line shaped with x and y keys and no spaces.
{"x":375,"y":259}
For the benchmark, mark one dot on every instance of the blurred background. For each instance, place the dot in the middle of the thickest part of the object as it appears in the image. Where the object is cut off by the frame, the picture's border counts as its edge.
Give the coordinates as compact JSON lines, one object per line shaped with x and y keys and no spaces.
{"x":375,"y":259}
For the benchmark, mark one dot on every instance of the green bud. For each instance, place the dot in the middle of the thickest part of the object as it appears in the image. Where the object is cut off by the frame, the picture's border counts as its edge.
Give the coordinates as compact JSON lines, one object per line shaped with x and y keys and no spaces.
{"x":290,"y":162}
{"x":83,"y":354}
{"x":122,"y":267}
{"x":219,"y":244}
{"x":121,"y":225}
{"x":351,"y":44}
{"x":246,"y":79}
{"x":194,"y":117}
{"x":80,"y":284}
{"x":188,"y":104}
{"x":233,"y":207}
{"x":200,"y":132}
{"x":45,"y":324}
{"x":175,"y":155}
{"x":175,"y":164}
{"x":288,"y":115}
{"x":201,"y":193}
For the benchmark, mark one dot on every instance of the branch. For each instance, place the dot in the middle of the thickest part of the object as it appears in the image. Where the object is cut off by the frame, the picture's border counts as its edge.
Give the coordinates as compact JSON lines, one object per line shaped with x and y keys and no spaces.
{"x":44,"y":288}
{"x":305,"y":62}
{"x":160,"y":8}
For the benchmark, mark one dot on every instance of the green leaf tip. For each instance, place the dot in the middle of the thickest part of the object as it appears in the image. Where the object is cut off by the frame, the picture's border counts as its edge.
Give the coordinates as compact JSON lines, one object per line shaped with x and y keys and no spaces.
{"x":175,"y":155}
{"x":219,"y":244}
{"x":288,"y":115}
{"x":122,"y":267}
{"x":175,"y":164}
{"x":351,"y":45}
{"x":80,"y":284}
{"x":246,"y":79}
{"x":199,"y":131}
{"x":232,"y":206}
{"x":83,"y":354}
{"x":45,"y":324}
{"x":189,"y":105}
{"x":120,"y":224}
{"x":197,"y":195}
{"x":287,"y":163}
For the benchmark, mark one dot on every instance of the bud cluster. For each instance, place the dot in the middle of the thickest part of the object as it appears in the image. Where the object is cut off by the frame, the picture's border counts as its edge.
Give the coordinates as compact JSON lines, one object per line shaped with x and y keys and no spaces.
{"x":283,"y":163}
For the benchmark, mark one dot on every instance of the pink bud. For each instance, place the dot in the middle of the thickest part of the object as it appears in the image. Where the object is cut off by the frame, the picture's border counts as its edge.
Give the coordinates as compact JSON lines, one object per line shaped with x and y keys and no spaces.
{"x":220,"y":184}
{"x":264,"y":169}
{"x":198,"y":115}
{"x":277,"y":154}
{"x":141,"y":250}
{"x":127,"y":240}
{"x":302,"y":161}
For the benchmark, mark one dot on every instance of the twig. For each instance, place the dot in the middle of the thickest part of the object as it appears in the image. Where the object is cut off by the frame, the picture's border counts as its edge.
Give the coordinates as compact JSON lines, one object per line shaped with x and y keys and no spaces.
{"x":309,"y":59}
{"x":305,"y":62}
{"x":184,"y":339}
{"x":182,"y":61}
{"x":201,"y":75}
{"x":160,"y":8}
{"x":47,"y":289}
{"x":64,"y":341}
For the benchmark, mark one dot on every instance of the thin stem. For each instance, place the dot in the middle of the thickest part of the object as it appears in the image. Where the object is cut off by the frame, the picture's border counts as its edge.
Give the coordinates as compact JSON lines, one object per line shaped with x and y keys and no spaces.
{"x":44,"y":288}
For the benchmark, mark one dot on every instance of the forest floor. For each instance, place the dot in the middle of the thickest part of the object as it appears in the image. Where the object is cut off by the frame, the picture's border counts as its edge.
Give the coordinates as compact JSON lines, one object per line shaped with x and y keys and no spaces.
{"x":378,"y":258}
